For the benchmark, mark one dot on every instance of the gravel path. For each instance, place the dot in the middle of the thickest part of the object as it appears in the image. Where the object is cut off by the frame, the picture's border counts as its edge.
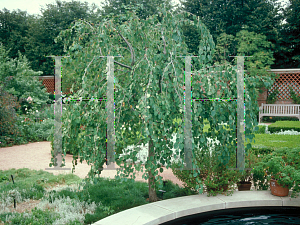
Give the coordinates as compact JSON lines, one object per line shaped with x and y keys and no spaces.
{"x":37,"y":156}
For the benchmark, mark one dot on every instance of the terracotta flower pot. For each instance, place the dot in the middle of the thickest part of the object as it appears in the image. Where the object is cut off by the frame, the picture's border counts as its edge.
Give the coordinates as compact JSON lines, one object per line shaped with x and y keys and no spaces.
{"x":277,"y":189}
{"x":246,"y":186}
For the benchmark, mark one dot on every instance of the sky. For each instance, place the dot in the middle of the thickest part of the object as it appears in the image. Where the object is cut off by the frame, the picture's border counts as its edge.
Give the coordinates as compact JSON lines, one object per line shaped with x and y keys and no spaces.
{"x":34,"y":6}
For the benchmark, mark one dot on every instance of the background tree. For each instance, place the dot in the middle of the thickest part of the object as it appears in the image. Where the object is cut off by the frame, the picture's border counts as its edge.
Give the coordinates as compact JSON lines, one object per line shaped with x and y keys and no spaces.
{"x":287,"y":55}
{"x":230,"y":17}
{"x":34,"y":36}
{"x":55,"y":18}
{"x":144,"y":8}
{"x":249,"y":44}
{"x":20,"y":93}
{"x":14,"y":30}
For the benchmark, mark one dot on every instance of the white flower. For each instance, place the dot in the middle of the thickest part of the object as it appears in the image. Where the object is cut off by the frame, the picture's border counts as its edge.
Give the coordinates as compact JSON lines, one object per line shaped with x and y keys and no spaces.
{"x":29,"y":99}
{"x":37,"y":110}
{"x":25,"y":109}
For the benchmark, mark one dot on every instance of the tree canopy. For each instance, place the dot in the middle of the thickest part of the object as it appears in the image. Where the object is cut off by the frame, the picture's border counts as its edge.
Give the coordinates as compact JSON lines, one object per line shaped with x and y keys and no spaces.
{"x":148,"y":95}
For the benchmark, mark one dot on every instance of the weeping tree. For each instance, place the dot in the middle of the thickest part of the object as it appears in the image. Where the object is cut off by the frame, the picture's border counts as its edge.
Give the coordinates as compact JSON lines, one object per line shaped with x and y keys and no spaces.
{"x":148,"y":91}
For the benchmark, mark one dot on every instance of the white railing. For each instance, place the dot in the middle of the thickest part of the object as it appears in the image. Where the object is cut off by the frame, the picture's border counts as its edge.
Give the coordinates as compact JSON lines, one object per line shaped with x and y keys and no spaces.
{"x":279,"y":110}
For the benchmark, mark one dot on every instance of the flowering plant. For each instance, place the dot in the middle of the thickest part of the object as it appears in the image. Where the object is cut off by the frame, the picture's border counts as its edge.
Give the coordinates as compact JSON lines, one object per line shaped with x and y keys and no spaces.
{"x":282,"y":165}
{"x":29,"y":99}
{"x":251,"y":159}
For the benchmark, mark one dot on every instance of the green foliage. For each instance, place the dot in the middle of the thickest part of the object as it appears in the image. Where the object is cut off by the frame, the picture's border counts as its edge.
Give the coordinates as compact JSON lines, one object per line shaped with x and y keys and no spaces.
{"x":225,"y":47}
{"x":282,"y":165}
{"x":3,"y":178}
{"x":14,"y":30}
{"x":213,"y":173}
{"x":251,"y":159}
{"x":143,"y":9}
{"x":261,"y":129}
{"x":173,"y":191}
{"x":230,"y":17}
{"x":271,"y":99}
{"x":247,"y":43}
{"x":37,"y":217}
{"x":287,"y":54}
{"x":33,"y":35}
{"x":8,"y":116}
{"x":20,"y":94}
{"x":257,"y":46}
{"x":21,"y":83}
{"x":148,"y":93}
{"x":296,"y":98}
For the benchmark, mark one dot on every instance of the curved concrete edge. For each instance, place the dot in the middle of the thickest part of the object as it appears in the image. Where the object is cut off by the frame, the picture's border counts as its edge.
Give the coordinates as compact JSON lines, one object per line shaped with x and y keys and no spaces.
{"x":163,"y":211}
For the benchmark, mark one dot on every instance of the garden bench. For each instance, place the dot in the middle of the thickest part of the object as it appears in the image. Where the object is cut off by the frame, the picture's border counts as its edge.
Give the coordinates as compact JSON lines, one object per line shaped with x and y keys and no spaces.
{"x":279,"y":110}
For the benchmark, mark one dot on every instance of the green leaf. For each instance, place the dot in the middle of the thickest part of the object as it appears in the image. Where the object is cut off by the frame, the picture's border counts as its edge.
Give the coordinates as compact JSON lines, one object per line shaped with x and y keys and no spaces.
{"x":175,"y":37}
{"x":213,"y":112}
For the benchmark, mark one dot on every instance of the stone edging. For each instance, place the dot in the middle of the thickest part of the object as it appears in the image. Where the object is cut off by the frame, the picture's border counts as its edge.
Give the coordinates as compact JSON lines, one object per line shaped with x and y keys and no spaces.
{"x":171,"y":209}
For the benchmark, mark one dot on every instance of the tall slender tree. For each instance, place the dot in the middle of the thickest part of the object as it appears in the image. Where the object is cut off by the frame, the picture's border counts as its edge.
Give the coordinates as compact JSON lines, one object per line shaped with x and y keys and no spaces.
{"x":288,"y":53}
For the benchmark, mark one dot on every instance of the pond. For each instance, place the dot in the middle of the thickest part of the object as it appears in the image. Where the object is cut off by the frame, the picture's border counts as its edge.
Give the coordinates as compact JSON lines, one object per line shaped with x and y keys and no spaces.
{"x":257,"y":215}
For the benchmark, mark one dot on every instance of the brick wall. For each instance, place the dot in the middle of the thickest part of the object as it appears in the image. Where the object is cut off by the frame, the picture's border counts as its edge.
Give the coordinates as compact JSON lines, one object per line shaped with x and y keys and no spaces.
{"x":49,"y":83}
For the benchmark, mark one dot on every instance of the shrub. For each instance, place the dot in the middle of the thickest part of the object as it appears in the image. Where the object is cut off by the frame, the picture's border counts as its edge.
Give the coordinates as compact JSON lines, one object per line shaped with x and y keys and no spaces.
{"x":8,"y":116}
{"x":261,"y":129}
{"x":37,"y":217}
{"x":21,"y":82}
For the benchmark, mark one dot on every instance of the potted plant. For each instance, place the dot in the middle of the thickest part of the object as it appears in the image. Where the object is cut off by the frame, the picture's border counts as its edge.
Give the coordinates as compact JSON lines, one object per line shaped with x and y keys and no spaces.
{"x":219,"y":179}
{"x":280,"y":170}
{"x":215,"y":175}
{"x":245,"y":177}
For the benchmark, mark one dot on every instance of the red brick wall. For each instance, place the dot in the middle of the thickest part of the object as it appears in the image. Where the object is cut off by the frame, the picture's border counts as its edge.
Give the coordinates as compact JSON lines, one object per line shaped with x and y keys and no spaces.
{"x":49,"y":83}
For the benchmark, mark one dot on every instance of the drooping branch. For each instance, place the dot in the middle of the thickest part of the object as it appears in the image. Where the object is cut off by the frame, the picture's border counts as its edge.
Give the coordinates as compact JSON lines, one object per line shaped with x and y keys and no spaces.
{"x":131,"y":49}
{"x":123,"y":65}
{"x":163,"y":38}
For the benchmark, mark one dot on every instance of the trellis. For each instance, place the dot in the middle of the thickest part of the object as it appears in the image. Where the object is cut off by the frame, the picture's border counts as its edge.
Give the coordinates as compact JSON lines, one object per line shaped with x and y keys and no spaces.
{"x":288,"y":78}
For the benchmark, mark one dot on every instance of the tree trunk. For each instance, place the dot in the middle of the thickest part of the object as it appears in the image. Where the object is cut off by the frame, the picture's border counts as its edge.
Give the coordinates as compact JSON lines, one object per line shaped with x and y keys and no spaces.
{"x":151,"y":179}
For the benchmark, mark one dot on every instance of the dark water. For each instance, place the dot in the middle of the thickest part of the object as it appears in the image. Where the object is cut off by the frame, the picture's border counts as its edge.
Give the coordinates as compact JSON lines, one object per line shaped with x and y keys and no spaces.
{"x":245,"y":216}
